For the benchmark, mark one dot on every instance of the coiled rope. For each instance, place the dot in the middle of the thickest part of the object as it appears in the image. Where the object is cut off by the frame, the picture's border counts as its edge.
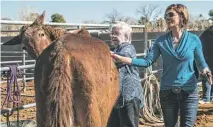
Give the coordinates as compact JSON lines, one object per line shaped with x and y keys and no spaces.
{"x":151,"y":113}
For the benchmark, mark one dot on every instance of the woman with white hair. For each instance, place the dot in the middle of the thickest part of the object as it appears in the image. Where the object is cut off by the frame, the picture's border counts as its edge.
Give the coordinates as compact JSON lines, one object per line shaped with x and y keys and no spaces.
{"x":126,"y":110}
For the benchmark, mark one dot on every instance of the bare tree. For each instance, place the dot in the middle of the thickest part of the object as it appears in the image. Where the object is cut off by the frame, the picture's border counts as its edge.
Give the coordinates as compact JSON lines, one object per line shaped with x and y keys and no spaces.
{"x":143,"y":20}
{"x":149,"y":12}
{"x":113,"y":16}
{"x":27,"y":14}
{"x":129,"y":20}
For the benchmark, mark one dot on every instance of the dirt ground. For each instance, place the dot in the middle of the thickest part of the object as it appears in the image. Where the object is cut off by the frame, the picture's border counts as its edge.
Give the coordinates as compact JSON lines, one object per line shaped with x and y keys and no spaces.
{"x":204,"y":117}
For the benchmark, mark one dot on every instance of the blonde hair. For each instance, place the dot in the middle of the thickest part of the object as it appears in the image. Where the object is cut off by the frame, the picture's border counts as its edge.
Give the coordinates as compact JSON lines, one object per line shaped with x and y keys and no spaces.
{"x":182,"y":11}
{"x":125,"y":29}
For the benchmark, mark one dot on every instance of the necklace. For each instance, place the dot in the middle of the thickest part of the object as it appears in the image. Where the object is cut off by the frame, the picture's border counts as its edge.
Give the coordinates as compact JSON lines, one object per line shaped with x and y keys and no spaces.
{"x":177,"y":40}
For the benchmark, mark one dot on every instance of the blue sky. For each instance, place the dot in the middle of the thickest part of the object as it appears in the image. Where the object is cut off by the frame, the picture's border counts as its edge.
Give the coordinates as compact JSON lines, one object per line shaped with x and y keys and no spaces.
{"x":78,"y":11}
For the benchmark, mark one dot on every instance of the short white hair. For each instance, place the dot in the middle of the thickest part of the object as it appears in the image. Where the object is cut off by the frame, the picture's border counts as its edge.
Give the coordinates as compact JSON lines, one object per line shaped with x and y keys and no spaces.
{"x":124,"y":28}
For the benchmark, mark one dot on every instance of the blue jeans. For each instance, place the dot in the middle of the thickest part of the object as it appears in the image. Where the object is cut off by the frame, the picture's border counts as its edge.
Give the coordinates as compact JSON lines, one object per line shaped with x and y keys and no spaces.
{"x":174,"y":101}
{"x":207,"y":91}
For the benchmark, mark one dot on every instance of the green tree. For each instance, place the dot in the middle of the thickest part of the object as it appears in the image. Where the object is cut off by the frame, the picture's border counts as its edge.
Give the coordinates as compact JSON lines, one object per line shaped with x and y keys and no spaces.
{"x":211,"y":14}
{"x":57,"y":18}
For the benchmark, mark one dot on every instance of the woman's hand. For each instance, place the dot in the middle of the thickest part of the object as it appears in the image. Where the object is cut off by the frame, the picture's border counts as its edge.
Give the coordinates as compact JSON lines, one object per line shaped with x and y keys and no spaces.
{"x":115,"y":56}
{"x":207,"y":73}
{"x":122,"y":59}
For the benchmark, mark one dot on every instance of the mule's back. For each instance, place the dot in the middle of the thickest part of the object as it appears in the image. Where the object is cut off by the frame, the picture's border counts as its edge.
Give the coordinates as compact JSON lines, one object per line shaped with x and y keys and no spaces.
{"x":87,"y":77}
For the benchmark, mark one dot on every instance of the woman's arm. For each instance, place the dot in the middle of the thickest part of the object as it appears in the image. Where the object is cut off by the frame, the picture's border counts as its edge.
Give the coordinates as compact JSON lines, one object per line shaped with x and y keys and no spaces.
{"x":122,"y":59}
{"x":199,"y":58}
{"x":200,"y":61}
{"x":152,"y":56}
{"x":127,"y":51}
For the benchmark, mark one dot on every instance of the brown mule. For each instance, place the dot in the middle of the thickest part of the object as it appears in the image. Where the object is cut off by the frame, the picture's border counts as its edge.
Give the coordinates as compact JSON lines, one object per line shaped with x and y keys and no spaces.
{"x":76,"y":81}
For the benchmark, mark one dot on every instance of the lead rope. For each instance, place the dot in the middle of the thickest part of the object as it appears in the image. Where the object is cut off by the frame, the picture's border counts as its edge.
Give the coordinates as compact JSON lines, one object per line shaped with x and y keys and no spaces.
{"x":13,"y":92}
{"x":151,"y":88}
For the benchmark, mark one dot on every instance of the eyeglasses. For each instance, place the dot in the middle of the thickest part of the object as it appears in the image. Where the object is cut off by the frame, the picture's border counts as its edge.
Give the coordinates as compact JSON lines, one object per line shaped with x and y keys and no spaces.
{"x":169,"y":15}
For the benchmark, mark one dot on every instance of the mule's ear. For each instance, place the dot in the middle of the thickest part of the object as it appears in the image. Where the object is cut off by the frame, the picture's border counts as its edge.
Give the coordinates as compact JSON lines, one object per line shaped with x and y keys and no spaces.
{"x":42,"y":17}
{"x":14,"y":41}
{"x":75,"y":31}
{"x":39,"y":20}
{"x":84,"y":31}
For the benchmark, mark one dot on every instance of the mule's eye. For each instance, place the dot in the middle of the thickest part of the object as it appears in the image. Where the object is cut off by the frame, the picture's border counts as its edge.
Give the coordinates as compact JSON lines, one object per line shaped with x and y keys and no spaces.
{"x":42,"y":34}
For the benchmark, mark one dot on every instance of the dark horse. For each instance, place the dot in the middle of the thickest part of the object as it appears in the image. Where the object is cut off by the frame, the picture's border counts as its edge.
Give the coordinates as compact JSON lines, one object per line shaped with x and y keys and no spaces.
{"x":76,"y":81}
{"x":207,"y":42}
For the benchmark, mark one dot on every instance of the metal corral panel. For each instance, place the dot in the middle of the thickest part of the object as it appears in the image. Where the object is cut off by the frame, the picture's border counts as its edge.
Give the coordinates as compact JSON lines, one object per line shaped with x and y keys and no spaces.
{"x":137,"y":41}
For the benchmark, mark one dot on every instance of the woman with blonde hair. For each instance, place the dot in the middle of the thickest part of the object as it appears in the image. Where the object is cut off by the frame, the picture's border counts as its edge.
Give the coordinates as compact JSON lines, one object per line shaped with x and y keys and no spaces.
{"x":178,"y":48}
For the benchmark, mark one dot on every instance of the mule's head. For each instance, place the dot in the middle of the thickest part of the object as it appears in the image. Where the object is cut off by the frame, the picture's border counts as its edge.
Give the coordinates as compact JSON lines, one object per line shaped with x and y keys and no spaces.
{"x":33,"y":37}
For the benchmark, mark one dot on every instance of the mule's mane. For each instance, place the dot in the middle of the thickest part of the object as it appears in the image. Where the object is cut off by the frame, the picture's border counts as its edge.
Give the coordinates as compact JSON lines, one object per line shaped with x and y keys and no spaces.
{"x":53,"y":32}
{"x":86,"y":37}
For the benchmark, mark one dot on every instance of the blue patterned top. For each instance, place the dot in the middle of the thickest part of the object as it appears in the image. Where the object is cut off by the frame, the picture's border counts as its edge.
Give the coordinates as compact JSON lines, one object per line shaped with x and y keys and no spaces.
{"x":130,"y":85}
